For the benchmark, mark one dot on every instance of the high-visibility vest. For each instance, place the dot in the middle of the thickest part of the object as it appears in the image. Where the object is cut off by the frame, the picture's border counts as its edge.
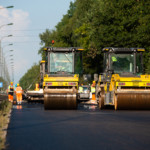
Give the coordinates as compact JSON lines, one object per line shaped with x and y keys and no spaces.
{"x":80,"y":89}
{"x":92,"y":89}
{"x":37,"y":87}
{"x":10,"y":88}
{"x":114,"y":58}
{"x":18,"y":90}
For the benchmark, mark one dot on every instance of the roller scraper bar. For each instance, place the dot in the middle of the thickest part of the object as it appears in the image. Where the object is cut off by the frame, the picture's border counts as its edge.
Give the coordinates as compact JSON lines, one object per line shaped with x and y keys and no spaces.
{"x":63,"y":49}
{"x":122,"y":50}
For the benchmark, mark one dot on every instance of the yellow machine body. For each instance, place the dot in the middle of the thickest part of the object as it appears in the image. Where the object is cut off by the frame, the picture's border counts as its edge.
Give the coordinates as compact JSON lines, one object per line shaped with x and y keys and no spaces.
{"x":60,"y":92}
{"x":61,"y":81}
{"x":60,"y":87}
{"x":143,"y":81}
{"x":128,"y":91}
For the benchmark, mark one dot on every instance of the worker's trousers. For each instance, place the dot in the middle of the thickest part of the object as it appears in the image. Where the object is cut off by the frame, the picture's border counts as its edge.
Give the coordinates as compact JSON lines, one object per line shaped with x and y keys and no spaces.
{"x":93,"y":96}
{"x":10,"y":97}
{"x":19,"y":97}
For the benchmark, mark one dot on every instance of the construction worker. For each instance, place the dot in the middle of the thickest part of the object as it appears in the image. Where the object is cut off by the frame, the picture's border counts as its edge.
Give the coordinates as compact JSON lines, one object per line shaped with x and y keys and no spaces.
{"x":81,"y":88}
{"x":94,"y":84}
{"x":19,"y":94}
{"x":37,"y":87}
{"x":93,"y":90}
{"x":10,"y":92}
{"x":114,"y":58}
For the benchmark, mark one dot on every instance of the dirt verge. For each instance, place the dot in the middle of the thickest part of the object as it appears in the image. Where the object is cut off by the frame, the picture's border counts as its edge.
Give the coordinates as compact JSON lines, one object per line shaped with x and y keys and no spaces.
{"x":5,"y":111}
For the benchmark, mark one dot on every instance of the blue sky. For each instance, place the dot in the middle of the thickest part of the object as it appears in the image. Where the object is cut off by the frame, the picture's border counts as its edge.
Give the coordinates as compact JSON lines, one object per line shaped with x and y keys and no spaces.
{"x":30,"y":18}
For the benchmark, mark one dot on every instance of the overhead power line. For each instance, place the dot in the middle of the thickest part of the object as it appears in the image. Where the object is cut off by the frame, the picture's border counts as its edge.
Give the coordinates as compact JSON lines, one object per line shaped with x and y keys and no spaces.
{"x":26,"y":36}
{"x":25,"y":30}
{"x":24,"y":42}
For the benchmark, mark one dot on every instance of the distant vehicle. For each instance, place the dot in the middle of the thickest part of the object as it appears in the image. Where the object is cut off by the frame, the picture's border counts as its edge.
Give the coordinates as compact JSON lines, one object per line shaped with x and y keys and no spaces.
{"x":35,"y":95}
{"x":85,"y":95}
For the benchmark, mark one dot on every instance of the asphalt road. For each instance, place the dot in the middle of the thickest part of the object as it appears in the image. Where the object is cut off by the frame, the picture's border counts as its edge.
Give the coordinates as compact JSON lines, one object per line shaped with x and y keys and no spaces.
{"x":33,"y":128}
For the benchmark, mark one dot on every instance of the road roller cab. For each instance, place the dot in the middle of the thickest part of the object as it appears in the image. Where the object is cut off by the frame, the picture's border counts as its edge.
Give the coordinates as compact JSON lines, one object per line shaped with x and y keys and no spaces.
{"x":122,"y":84}
{"x":60,"y":82}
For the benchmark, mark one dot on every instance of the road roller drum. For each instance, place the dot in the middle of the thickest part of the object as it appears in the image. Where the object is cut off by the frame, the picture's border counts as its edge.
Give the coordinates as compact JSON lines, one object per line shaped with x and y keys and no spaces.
{"x":134,"y":99}
{"x":60,"y":101}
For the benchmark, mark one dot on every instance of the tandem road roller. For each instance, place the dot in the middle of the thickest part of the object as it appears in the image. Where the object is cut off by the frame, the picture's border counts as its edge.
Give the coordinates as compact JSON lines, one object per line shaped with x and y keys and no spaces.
{"x":61,"y":76}
{"x":123,"y":84}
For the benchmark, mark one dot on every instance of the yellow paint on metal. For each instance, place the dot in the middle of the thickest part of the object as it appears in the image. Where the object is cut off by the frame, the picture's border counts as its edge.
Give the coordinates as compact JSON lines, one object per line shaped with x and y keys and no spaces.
{"x":42,"y":61}
{"x":62,"y":84}
{"x":105,"y":88}
{"x":46,"y":76}
{"x":142,"y":50}
{"x":76,"y":75}
{"x":61,"y":79}
{"x":141,"y":78}
{"x":116,"y":80}
{"x":145,"y":76}
{"x":137,"y":84}
{"x":112,"y":85}
{"x":45,"y":49}
{"x":80,"y":49}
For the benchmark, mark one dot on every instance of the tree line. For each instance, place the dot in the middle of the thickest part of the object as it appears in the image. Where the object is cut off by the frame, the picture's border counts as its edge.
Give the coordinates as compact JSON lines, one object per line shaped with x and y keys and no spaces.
{"x":30,"y":78}
{"x":94,"y":24}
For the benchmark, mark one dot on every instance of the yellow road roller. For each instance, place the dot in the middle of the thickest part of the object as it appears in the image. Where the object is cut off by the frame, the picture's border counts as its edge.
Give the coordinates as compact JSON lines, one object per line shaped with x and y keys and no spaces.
{"x":122,"y":83}
{"x":61,"y":77}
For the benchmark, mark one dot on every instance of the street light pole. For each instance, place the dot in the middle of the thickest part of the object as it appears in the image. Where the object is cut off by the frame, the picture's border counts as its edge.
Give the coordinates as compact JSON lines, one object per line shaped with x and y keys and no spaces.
{"x":4,"y":36}
{"x":1,"y":50}
{"x":7,"y":7}
{"x":7,"y":45}
{"x":4,"y":62}
{"x":8,"y":68}
{"x":6,"y":25}
{"x":12,"y":69}
{"x":5,"y":69}
{"x":8,"y":36}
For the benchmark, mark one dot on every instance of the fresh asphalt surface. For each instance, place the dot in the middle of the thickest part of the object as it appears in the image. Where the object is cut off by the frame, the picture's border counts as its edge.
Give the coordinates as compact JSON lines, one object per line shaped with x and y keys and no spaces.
{"x":33,"y":128}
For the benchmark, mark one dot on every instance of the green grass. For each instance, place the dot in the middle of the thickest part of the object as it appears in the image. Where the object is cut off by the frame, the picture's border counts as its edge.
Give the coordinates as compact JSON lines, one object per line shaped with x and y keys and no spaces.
{"x":5,"y":108}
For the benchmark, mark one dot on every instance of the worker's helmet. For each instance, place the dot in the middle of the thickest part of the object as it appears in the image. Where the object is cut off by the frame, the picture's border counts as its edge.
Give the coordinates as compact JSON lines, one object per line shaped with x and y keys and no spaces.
{"x":93,"y":81}
{"x":18,"y":84}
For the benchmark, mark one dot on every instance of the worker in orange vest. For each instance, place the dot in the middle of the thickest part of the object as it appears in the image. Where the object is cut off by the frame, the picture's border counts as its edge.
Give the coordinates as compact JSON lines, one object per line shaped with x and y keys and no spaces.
{"x":10,"y":92}
{"x":19,"y":94}
{"x":93,"y":90}
{"x":37,"y":87}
